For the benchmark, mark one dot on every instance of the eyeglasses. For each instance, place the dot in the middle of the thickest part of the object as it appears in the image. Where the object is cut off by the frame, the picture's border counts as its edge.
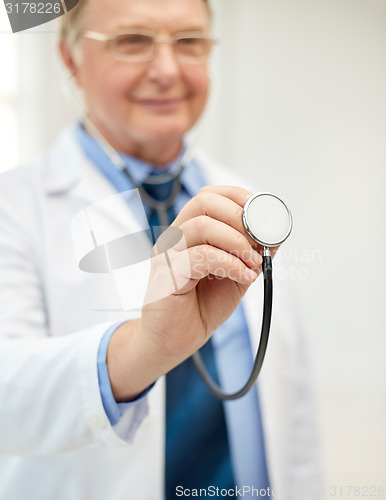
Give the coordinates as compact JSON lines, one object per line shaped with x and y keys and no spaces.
{"x":141,"y":46}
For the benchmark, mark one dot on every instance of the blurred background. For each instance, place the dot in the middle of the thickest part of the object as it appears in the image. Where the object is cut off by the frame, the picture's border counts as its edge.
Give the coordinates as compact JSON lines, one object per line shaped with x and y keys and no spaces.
{"x":300,"y":110}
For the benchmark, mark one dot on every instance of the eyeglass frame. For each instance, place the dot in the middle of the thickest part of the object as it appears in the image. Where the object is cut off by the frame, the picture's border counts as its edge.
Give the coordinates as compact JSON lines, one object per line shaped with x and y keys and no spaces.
{"x":111,"y":38}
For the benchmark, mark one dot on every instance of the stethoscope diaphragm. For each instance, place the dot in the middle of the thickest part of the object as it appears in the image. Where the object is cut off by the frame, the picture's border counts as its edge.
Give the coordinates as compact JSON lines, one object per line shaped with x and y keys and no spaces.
{"x":267,"y":219}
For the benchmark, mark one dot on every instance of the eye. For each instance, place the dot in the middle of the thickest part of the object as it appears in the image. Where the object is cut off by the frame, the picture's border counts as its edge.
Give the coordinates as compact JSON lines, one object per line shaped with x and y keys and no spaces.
{"x":193,"y":46}
{"x":189,"y":41}
{"x":133,"y":43}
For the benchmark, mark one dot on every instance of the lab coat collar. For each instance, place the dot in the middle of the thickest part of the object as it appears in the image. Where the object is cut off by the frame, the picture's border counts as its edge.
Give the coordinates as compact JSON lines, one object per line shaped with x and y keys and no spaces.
{"x":62,"y":165}
{"x":66,"y":165}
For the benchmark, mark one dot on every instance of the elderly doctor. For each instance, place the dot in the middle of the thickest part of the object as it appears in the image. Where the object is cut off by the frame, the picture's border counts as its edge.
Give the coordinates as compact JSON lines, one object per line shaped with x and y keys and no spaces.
{"x":98,"y":404}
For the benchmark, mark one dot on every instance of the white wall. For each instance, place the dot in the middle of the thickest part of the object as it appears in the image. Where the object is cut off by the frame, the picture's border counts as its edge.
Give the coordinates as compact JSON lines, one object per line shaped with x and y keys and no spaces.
{"x":302,"y":112}
{"x":42,"y":108}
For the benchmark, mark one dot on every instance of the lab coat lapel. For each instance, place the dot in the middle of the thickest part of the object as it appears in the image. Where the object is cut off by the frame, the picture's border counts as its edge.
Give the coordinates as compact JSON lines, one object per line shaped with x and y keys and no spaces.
{"x":77,"y":188}
{"x":71,"y":171}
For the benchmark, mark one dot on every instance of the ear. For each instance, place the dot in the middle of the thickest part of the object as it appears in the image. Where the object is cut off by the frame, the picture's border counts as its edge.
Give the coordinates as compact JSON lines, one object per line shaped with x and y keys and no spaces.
{"x":68,"y":58}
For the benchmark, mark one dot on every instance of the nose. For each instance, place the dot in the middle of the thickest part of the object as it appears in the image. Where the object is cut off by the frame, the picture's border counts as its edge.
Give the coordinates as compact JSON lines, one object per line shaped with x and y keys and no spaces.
{"x":164,"y":67}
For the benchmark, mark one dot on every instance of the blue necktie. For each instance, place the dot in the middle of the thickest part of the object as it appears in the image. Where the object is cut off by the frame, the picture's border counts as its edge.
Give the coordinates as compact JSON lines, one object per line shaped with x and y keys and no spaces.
{"x":197,"y":447}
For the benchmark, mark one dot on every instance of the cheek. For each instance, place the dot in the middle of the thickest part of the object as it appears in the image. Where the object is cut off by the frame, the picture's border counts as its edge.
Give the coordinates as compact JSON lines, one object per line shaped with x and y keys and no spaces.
{"x":108,"y":83}
{"x":197,"y":80}
{"x":123,"y":80}
{"x":198,"y":84}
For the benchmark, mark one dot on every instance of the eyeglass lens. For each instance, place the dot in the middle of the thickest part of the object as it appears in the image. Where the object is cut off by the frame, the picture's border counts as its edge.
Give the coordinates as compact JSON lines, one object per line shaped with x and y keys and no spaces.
{"x":137,"y":46}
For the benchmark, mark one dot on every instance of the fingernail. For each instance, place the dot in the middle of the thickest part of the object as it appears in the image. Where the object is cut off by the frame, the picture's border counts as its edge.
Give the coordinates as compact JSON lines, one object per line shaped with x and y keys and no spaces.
{"x":256,"y":257}
{"x":250,"y":275}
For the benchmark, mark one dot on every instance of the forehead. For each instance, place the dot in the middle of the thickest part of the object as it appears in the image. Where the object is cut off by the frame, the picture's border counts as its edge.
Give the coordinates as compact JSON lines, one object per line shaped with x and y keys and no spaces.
{"x":171,"y":15}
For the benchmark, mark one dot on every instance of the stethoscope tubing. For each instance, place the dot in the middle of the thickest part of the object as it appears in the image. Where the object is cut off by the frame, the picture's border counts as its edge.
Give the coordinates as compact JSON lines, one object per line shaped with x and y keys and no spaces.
{"x":264,"y":336}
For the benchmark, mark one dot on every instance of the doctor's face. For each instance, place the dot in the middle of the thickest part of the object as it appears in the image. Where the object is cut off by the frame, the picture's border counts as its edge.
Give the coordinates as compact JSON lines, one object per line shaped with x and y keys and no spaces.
{"x":141,"y":106}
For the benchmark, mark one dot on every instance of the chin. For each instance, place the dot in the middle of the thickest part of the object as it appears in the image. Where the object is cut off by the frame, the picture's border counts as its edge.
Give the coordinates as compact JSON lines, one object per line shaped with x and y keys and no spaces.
{"x":168,"y":131}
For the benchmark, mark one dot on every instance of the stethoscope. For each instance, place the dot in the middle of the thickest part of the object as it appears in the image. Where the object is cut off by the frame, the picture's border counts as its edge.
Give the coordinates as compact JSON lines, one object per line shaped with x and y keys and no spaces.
{"x":267,"y":220}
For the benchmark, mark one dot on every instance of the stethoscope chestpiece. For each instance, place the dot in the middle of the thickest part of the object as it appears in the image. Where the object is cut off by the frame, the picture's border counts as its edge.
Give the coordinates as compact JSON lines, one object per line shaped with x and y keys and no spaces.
{"x":267,"y":219}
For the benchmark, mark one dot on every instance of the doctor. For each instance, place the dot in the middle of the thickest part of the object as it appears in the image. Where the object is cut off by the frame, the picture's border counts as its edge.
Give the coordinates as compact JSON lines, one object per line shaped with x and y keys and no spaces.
{"x":82,"y":383}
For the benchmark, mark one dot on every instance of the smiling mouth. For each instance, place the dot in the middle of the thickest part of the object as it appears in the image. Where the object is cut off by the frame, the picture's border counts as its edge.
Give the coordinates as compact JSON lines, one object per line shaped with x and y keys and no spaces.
{"x":159,"y":102}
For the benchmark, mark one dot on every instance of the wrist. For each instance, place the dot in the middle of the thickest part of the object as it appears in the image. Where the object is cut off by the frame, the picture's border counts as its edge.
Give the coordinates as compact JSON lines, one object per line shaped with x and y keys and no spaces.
{"x":128,"y":364}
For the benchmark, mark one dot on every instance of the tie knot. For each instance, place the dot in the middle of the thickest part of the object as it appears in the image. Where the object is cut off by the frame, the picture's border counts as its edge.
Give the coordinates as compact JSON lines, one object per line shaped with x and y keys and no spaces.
{"x":158,"y":191}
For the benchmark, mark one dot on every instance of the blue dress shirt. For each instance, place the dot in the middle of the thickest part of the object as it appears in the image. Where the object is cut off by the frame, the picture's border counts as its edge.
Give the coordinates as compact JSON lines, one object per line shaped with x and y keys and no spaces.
{"x":230,"y":341}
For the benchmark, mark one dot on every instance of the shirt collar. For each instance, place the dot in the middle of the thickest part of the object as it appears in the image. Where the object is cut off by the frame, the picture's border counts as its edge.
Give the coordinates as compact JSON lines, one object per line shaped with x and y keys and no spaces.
{"x":192,"y":178}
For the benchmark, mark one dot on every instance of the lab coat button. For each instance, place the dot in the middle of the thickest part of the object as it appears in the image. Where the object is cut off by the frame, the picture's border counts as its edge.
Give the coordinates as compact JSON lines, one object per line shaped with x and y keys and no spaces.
{"x":96,"y":420}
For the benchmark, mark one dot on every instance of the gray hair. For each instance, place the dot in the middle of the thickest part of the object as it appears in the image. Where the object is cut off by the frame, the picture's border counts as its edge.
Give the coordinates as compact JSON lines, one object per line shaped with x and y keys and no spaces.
{"x":71,"y":24}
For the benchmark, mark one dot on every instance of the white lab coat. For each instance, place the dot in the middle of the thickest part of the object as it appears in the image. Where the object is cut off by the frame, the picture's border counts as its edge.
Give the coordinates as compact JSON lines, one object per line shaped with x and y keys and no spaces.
{"x":56,"y":441}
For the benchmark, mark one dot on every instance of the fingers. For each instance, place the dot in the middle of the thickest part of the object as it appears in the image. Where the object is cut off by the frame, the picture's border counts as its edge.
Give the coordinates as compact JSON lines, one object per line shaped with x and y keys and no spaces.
{"x":237,"y":194}
{"x":177,"y":272}
{"x":207,"y":260}
{"x":224,"y":204}
{"x":213,"y":241}
{"x":204,"y":230}
{"x":226,"y":207}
